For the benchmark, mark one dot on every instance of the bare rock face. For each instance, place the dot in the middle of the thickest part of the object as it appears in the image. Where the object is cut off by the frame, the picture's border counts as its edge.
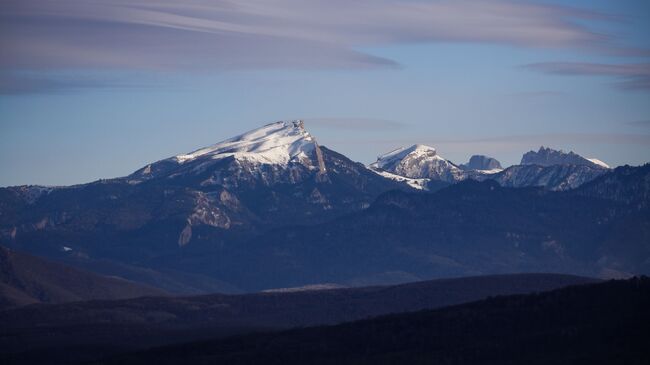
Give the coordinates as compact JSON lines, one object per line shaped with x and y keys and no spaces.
{"x":547,"y":157}
{"x":481,"y":162}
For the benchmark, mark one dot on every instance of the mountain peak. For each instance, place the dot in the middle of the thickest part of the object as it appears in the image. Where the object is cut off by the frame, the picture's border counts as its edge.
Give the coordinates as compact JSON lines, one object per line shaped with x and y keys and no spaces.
{"x":546,"y":156}
{"x":275,"y":147}
{"x":274,"y":143}
{"x":417,"y":161}
{"x":482,"y":163}
{"x":388,"y":160}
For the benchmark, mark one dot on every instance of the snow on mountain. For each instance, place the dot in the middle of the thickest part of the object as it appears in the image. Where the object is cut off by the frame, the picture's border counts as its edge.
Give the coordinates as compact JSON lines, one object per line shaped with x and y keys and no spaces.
{"x":419,"y":184}
{"x":284,"y":152}
{"x":599,"y":162}
{"x":420,"y":165}
{"x":418,"y":162}
{"x":552,"y":177}
{"x":264,"y":153}
{"x":275,"y":143}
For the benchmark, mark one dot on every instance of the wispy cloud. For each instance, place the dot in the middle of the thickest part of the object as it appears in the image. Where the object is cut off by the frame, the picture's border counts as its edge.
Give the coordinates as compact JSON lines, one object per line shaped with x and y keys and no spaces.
{"x":535,"y":94}
{"x":551,"y":138}
{"x":355,"y":123}
{"x":225,"y":34}
{"x":42,"y":83}
{"x":640,"y":123}
{"x":528,"y":140}
{"x":635,"y":76}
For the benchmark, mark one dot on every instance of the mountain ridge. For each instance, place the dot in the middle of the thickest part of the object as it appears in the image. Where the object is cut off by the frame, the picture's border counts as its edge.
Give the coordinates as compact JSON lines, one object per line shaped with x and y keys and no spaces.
{"x":25,"y":279}
{"x":74,"y":328}
{"x":562,"y":326}
{"x":178,"y":227}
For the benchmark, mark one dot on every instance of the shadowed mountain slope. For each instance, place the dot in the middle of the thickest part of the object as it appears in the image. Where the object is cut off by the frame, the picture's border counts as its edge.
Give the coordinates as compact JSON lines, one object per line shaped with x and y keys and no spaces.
{"x":25,"y":279}
{"x":590,"y":324}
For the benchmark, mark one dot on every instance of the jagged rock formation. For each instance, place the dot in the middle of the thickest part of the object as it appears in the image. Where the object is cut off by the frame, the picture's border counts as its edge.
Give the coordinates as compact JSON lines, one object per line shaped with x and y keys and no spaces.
{"x":548,"y":157}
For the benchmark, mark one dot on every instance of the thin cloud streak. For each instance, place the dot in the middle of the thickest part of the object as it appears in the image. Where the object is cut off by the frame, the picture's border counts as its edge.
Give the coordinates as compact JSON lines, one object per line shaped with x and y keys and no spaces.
{"x":635,"y":76}
{"x":354,"y":123}
{"x":530,"y":139}
{"x":535,"y":94}
{"x":29,"y":83}
{"x":640,"y":123}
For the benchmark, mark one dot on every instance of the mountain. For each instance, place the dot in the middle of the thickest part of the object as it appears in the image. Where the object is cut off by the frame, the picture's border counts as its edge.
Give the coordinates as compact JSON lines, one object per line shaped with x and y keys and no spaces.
{"x":552,"y":177}
{"x":276,"y":152}
{"x":483,"y":163}
{"x":418,"y":162}
{"x":295,"y":213}
{"x":548,"y":157}
{"x":118,"y":326}
{"x":421,"y":167}
{"x":552,"y":169}
{"x":627,"y":184}
{"x":469,"y":228}
{"x":25,"y":279}
{"x":163,"y":224}
{"x":602,"y":323}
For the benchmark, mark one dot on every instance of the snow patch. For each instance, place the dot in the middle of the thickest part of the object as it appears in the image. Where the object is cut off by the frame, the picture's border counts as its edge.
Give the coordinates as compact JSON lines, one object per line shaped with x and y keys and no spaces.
{"x":313,"y":287}
{"x":489,"y":172}
{"x":420,"y":184}
{"x":275,"y":143}
{"x":599,"y":162}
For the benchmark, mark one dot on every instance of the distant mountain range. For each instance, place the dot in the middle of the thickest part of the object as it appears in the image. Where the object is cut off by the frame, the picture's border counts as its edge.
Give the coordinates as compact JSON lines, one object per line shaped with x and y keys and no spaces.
{"x":421,"y":167}
{"x":469,"y":228}
{"x":272,"y":208}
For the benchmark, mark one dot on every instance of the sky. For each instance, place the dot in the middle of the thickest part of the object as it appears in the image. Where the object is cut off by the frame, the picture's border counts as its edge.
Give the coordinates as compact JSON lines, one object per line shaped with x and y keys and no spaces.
{"x":95,"y":89}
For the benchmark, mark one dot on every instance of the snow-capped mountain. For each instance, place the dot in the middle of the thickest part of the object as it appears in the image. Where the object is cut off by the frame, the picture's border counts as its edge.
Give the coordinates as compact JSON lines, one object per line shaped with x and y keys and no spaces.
{"x":547,"y":157}
{"x":276,"y":152}
{"x":552,"y":177}
{"x":418,"y":162}
{"x":279,"y":165}
{"x":184,"y":223}
{"x":421,"y":167}
{"x":200,"y":202}
{"x":551,"y":169}
{"x":274,"y":143}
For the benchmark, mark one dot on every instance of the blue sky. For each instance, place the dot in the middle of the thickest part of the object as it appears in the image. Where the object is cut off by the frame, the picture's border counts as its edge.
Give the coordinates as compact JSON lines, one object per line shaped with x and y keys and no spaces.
{"x":97,"y":89}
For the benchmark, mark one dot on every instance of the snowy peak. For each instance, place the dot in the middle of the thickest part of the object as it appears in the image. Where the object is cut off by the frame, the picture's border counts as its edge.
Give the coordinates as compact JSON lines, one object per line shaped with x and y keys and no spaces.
{"x":417,"y":162}
{"x":547,"y":157}
{"x":389,"y":160}
{"x":272,"y":153}
{"x":275,"y":143}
